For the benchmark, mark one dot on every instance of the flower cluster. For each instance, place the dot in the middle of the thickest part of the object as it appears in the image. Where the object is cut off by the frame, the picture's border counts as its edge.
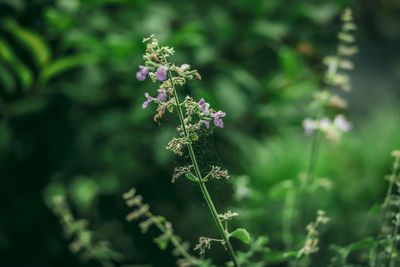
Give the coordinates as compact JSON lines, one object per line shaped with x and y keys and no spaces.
{"x":161,"y":70}
{"x":335,"y":77}
{"x":332,"y":129}
{"x":198,"y":114}
{"x":204,"y":243}
{"x":341,"y":61}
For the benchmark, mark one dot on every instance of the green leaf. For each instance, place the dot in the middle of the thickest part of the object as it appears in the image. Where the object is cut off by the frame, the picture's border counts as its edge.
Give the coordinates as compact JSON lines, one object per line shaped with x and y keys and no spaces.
{"x":194,"y":137}
{"x":171,"y":108}
{"x":32,"y":41}
{"x":162,"y":243}
{"x":7,"y":80}
{"x":84,"y":191}
{"x":8,"y":56}
{"x":60,"y":21}
{"x":241,"y":234}
{"x":64,"y":64}
{"x":272,"y":30}
{"x":374,"y":208}
{"x":191,"y":177}
{"x":161,"y":218}
{"x":367,"y":242}
{"x":26,"y":105}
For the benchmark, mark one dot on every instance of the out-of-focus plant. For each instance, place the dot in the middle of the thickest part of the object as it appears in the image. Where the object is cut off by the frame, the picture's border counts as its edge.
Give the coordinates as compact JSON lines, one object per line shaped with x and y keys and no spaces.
{"x":82,"y":241}
{"x":387,"y":252}
{"x":326,"y":99}
{"x":168,"y":236}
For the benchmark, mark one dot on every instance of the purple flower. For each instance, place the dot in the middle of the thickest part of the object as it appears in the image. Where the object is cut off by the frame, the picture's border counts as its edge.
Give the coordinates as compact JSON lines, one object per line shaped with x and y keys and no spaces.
{"x":324,"y":123}
{"x":204,"y":106}
{"x":341,"y":123}
{"x":309,"y":126}
{"x":206,"y":122}
{"x":217,"y":118}
{"x":142,"y":73}
{"x":162,"y":73}
{"x":161,"y":97}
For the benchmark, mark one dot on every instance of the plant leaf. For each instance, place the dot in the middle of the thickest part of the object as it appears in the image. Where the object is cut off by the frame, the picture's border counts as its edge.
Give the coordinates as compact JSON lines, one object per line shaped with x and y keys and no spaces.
{"x":7,"y":55}
{"x":162,"y":243}
{"x":64,"y":64}
{"x":241,"y":234}
{"x":32,"y":41}
{"x":191,"y":177}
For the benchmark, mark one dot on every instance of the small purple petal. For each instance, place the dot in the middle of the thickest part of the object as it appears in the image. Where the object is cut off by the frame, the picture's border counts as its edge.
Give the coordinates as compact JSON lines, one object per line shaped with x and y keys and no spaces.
{"x":144,"y":70}
{"x":162,"y":73}
{"x":142,"y":73}
{"x":206,"y":122}
{"x":204,"y":106}
{"x":149,"y":99}
{"x":140,"y":76}
{"x":162,"y":95}
{"x":145,"y":104}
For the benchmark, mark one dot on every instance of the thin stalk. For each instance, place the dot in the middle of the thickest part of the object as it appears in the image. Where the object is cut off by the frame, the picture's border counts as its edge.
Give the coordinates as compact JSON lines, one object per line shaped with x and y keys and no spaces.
{"x":173,"y":239}
{"x":385,"y":208}
{"x":202,"y":185}
{"x":394,"y":242}
{"x":314,"y":151}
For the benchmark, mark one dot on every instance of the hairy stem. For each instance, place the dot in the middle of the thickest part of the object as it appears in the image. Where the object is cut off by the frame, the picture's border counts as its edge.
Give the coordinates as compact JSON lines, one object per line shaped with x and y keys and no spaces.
{"x":202,"y":185}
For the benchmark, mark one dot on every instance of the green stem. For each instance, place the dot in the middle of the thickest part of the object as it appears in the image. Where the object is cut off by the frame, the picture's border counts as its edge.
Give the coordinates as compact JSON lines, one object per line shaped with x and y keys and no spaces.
{"x":202,"y":185}
{"x":313,"y":151}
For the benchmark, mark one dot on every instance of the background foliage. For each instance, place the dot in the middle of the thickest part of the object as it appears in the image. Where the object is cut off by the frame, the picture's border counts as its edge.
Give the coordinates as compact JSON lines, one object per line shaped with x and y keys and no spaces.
{"x":71,"y":120}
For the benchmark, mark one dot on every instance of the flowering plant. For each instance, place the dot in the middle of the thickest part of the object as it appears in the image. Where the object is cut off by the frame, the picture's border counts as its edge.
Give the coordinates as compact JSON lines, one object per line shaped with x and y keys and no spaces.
{"x":193,"y":116}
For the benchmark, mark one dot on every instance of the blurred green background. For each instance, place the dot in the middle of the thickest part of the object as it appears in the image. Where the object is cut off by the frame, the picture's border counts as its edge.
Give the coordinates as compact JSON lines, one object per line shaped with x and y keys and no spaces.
{"x":71,"y":120}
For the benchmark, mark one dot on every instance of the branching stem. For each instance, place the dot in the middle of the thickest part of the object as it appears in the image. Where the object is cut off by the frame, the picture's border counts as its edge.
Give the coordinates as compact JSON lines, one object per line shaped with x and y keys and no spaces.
{"x":202,"y":185}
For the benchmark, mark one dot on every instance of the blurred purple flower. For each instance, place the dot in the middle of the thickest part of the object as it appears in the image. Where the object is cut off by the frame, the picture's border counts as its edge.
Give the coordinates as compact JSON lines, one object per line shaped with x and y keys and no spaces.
{"x":324,"y":123}
{"x":162,"y":73}
{"x":341,"y":123}
{"x":204,"y":106}
{"x":309,"y":126}
{"x":217,"y":118}
{"x":142,"y":73}
{"x":161,"y":97}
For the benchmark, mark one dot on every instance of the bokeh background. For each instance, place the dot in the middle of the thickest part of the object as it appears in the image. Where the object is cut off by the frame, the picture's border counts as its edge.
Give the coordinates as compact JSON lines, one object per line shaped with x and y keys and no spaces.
{"x":71,"y":120}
